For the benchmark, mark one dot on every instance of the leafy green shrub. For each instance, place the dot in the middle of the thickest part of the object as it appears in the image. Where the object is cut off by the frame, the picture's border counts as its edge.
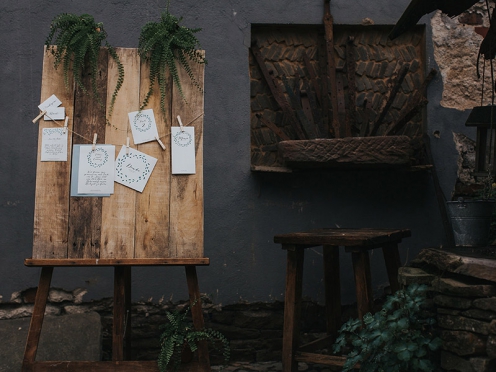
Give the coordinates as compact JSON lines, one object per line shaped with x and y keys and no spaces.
{"x":162,"y":43}
{"x":396,"y":339}
{"x":74,"y":41}
{"x":179,"y":332}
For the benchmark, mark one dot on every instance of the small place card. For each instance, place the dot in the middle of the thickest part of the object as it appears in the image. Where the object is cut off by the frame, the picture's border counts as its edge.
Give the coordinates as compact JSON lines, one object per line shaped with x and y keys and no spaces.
{"x":134,"y":169}
{"x":96,"y":169}
{"x":55,"y":113}
{"x":53,"y":144}
{"x":51,"y":102}
{"x":183,"y":150}
{"x":143,"y":126}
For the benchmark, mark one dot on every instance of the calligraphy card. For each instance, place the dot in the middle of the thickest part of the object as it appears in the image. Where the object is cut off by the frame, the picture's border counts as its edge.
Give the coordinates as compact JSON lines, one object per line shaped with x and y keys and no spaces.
{"x":51,"y":102}
{"x":96,"y":169}
{"x":75,"y":174}
{"x":134,"y":169}
{"x":183,"y":150}
{"x":143,"y":126}
{"x":55,"y":113}
{"x":53,"y":144}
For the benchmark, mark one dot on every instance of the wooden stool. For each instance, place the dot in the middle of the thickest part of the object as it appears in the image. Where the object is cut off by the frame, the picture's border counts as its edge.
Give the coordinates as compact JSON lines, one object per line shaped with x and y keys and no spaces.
{"x":356,"y":241}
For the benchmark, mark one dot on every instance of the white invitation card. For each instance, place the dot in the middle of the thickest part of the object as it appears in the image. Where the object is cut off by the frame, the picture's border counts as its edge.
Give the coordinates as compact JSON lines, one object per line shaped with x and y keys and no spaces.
{"x":96,"y":169}
{"x":183,"y":150}
{"x":53,"y":144}
{"x":134,"y":169}
{"x":143,"y":126}
{"x":55,"y":113}
{"x":50,"y":102}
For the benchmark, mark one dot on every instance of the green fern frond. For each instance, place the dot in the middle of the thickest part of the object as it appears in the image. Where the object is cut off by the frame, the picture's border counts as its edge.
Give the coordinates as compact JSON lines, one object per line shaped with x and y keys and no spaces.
{"x":162,"y":44}
{"x":75,"y":42}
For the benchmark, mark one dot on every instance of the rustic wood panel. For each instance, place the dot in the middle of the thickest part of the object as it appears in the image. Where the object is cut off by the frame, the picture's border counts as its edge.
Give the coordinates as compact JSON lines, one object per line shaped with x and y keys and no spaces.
{"x":350,"y":151}
{"x":152,"y":206}
{"x":118,"y":211}
{"x":85,"y":214}
{"x":186,"y":209}
{"x":128,"y":225}
{"x":51,"y":213}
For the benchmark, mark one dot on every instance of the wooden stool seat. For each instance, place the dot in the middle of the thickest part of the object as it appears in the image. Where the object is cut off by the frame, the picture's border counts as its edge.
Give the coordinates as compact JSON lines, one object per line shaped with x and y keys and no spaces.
{"x":357,"y":242}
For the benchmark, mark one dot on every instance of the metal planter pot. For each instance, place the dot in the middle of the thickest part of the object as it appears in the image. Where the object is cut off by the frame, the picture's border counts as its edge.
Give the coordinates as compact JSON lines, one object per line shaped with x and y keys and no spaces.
{"x":471,"y":221}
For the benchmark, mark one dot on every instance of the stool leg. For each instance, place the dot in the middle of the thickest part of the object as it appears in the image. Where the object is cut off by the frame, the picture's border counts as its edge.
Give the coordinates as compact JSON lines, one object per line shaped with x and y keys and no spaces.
{"x":292,"y":308}
{"x":393,"y":263}
{"x":127,"y":304}
{"x":118,"y":312}
{"x":37,"y":318}
{"x":363,"y":282}
{"x":197,"y":316}
{"x":332,"y":289}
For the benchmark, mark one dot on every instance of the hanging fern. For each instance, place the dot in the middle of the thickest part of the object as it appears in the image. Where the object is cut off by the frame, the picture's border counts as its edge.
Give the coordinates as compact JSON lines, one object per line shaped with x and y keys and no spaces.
{"x":162,"y":44}
{"x":179,"y":332}
{"x":76,"y":40}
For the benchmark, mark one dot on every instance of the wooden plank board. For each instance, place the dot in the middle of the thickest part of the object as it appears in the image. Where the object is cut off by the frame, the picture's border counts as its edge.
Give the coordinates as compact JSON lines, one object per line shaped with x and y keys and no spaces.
{"x":186,"y":206}
{"x":64,"y":262}
{"x":85,"y":213}
{"x":51,"y":213}
{"x":118,"y":211}
{"x":152,"y":206}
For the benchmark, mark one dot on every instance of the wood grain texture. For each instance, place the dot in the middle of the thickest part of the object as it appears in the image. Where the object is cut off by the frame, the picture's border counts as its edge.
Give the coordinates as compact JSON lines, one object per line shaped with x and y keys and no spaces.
{"x":85,"y":213}
{"x":350,"y":151}
{"x":51,"y":212}
{"x":118,"y":211}
{"x":186,"y":206}
{"x":363,"y":282}
{"x":152,"y":206}
{"x":117,"y":262}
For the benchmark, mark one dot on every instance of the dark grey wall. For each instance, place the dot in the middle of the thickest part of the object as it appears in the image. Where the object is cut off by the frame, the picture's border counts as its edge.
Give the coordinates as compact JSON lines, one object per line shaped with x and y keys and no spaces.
{"x":243,"y":210}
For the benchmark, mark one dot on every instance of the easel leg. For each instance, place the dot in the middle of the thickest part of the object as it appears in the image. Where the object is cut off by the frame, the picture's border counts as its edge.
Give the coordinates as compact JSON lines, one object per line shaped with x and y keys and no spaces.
{"x":292,"y":309}
{"x":122,"y":280}
{"x":37,"y":318}
{"x":197,"y":315}
{"x":127,"y":304}
{"x":332,"y":289}
{"x":393,"y":263}
{"x":363,"y":282}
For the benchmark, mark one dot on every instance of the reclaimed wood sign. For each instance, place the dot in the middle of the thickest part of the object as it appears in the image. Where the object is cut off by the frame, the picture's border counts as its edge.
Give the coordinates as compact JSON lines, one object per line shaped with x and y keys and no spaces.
{"x":165,"y":220}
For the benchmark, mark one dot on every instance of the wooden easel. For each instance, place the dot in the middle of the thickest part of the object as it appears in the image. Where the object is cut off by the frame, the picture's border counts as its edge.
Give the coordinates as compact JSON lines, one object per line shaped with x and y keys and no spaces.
{"x":163,"y":226}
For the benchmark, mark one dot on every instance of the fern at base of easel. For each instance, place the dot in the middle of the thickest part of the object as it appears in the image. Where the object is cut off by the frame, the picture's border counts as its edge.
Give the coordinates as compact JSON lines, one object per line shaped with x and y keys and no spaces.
{"x":74,"y":41}
{"x":162,"y":44}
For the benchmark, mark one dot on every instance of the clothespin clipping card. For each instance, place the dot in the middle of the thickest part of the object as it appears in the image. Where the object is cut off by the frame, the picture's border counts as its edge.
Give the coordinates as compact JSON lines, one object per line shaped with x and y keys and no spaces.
{"x":180,"y":123}
{"x":127,"y":146}
{"x":65,"y":124}
{"x":160,"y":142}
{"x":95,"y":136}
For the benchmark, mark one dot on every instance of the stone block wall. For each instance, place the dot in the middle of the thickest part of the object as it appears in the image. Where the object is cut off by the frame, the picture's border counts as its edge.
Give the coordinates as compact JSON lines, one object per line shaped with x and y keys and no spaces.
{"x":465,"y":308}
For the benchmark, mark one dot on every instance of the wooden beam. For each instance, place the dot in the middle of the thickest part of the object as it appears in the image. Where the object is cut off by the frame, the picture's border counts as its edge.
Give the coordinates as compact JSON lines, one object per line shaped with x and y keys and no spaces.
{"x":118,"y":262}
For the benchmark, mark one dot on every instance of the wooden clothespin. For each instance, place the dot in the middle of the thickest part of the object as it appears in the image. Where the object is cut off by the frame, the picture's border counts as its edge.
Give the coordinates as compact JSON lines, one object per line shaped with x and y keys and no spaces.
{"x":39,"y":116}
{"x":65,"y":124}
{"x":127,"y":146}
{"x":180,"y":123}
{"x":160,"y":142}
{"x":95,"y":136}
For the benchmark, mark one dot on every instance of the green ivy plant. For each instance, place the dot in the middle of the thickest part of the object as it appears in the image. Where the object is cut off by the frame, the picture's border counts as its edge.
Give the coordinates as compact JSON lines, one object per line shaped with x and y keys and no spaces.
{"x":162,"y":44}
{"x":396,"y":339}
{"x":74,"y":41}
{"x":179,"y":332}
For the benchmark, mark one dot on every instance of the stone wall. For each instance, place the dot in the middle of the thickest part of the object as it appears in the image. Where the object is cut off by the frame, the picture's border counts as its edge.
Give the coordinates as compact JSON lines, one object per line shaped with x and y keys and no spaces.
{"x":465,"y":307}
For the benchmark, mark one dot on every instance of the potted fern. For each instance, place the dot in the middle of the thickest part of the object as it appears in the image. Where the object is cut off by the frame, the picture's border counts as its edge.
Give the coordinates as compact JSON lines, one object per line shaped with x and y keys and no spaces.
{"x":75,"y":42}
{"x":164,"y":44}
{"x":179,"y":337}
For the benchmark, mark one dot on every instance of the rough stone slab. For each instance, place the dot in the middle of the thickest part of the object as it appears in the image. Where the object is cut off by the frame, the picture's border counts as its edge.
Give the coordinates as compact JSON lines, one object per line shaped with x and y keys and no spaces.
{"x":65,"y":337}
{"x":452,"y":362}
{"x":350,"y":151}
{"x":491,"y":347}
{"x":482,"y":268}
{"x":463,"y":343}
{"x":458,"y":288}
{"x":481,"y":364}
{"x":479,"y":314}
{"x":452,"y":302}
{"x":485,"y":303}
{"x":460,"y":323}
{"x":410,"y":275}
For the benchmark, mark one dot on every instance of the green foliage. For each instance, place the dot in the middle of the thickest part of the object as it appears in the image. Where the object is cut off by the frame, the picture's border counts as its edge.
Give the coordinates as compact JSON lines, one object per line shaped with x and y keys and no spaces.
{"x":76,"y":40}
{"x":178,"y":332}
{"x":396,"y":339}
{"x":163,"y":43}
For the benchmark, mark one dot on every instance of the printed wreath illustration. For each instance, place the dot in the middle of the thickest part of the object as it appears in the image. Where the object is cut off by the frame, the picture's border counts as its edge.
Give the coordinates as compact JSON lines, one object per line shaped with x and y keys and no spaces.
{"x":123,"y":176}
{"x":182,"y":143}
{"x":142,"y":118}
{"x":94,"y":152}
{"x":50,"y":131}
